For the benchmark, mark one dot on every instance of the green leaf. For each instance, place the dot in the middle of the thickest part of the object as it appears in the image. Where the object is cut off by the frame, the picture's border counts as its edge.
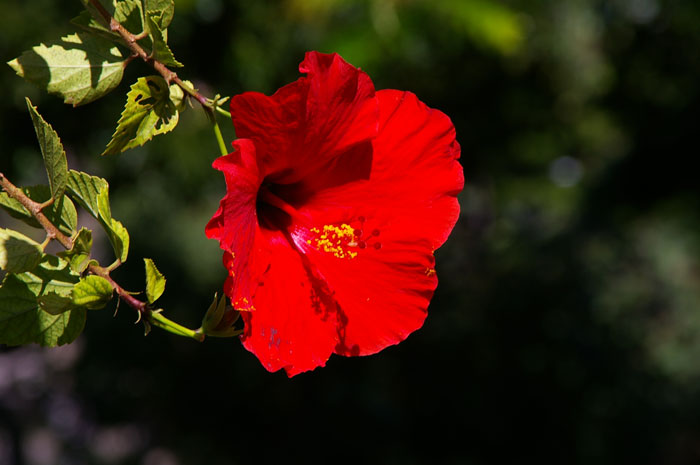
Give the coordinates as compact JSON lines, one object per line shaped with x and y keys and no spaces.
{"x":161,"y":51}
{"x":22,"y":321}
{"x":85,"y":189}
{"x":85,"y":21}
{"x":18,"y":253}
{"x":147,"y":113}
{"x":79,"y":255}
{"x":155,"y":281}
{"x":92,"y":292}
{"x":119,"y":238}
{"x":127,"y":12}
{"x":92,"y":193}
{"x":163,"y":8}
{"x":54,"y":303}
{"x":52,"y":150}
{"x":79,"y":67}
{"x":62,"y":213}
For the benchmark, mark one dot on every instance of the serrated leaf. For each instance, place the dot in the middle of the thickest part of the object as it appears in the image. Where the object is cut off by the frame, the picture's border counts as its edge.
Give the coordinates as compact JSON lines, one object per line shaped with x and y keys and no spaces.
{"x":85,"y":189}
{"x":161,"y":51}
{"x":80,"y":67}
{"x":92,"y":193}
{"x":119,"y":238}
{"x":147,"y":113}
{"x":62,"y":213}
{"x":54,"y":303}
{"x":79,"y":255}
{"x":18,"y":253}
{"x":22,"y":321}
{"x":92,"y":292}
{"x":155,"y":281}
{"x":163,"y":8}
{"x":52,"y":151}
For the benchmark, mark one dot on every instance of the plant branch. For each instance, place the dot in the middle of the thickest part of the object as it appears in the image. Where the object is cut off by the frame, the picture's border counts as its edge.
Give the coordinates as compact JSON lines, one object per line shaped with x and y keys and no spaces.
{"x":53,"y":232}
{"x":167,"y":74}
{"x":35,"y":209}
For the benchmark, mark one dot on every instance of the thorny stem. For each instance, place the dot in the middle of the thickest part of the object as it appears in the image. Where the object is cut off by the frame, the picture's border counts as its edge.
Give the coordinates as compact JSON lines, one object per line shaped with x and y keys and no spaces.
{"x":52,"y":231}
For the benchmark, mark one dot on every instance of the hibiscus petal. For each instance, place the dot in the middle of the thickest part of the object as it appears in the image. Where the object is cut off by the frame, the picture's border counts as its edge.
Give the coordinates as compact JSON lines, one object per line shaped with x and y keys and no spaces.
{"x":293,"y":323}
{"x":235,"y":223}
{"x":384,"y":277}
{"x":307,"y":123}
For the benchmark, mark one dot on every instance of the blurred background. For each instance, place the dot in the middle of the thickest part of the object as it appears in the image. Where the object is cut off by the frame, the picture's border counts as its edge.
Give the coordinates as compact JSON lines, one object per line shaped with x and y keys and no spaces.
{"x":566,"y":326}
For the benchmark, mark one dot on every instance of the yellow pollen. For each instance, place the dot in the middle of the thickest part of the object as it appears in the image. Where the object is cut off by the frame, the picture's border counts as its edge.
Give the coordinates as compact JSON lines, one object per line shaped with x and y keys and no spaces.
{"x":335,"y":240}
{"x":430,"y":271}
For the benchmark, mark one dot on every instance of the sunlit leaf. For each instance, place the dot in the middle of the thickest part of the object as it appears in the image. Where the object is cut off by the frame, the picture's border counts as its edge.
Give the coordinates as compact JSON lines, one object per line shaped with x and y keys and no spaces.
{"x":80,"y":67}
{"x":148,"y":112}
{"x":92,"y":292}
{"x":85,"y":189}
{"x":155,"y":281}
{"x":18,"y":253}
{"x":161,"y":51}
{"x":92,"y":193}
{"x":52,"y":150}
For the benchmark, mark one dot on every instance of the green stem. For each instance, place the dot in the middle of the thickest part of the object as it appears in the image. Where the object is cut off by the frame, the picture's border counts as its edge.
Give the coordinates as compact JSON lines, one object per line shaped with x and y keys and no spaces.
{"x":219,"y":136}
{"x":157,"y":319}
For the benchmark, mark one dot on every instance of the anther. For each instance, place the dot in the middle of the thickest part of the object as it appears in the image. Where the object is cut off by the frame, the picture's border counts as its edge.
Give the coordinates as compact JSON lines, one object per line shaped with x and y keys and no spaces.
{"x":377,"y":245}
{"x":362,"y":244}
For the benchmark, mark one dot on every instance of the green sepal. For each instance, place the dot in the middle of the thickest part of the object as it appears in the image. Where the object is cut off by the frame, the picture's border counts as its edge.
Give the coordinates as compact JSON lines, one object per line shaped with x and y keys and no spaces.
{"x":80,"y":67}
{"x":22,"y":320}
{"x":79,"y":255}
{"x":161,"y":51}
{"x":214,"y":313}
{"x":92,"y":292}
{"x":228,"y":332}
{"x":155,"y":281}
{"x":220,"y":318}
{"x":147,"y":113}
{"x":52,"y":151}
{"x":18,"y":253}
{"x":61,"y":214}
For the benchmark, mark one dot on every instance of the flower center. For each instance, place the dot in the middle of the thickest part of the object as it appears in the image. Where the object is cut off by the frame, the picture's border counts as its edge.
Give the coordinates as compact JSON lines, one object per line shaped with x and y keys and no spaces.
{"x":274,"y":213}
{"x":343,"y":240}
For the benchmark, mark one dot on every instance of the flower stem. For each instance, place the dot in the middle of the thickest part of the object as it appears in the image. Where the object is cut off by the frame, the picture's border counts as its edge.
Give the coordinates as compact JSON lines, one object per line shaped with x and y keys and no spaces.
{"x":157,"y":319}
{"x":219,"y":136}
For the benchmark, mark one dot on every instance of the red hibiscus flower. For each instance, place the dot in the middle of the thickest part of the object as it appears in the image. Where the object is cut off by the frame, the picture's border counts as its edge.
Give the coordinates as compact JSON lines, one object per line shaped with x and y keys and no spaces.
{"x":336,"y":198}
